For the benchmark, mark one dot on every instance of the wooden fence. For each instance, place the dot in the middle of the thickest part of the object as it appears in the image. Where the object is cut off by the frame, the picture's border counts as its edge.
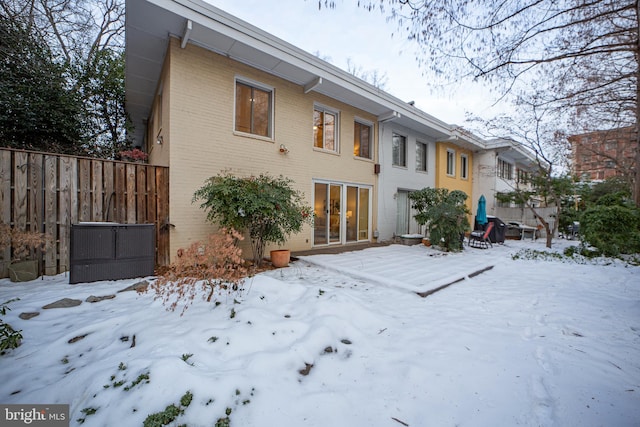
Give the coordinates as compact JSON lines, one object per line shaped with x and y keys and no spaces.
{"x":49,"y":192}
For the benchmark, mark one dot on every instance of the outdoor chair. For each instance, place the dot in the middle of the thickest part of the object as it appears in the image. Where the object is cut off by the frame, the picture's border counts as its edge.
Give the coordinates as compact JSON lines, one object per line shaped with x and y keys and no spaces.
{"x":480,"y":238}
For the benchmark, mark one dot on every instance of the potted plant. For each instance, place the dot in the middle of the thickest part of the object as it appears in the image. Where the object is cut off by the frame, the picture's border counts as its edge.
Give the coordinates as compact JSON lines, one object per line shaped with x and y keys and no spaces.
{"x":265,"y":207}
{"x":23,"y":244}
{"x":280,"y":257}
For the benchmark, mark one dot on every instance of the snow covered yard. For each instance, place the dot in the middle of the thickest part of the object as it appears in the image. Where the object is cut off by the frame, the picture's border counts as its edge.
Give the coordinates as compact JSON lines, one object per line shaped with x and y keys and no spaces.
{"x":344,"y":340}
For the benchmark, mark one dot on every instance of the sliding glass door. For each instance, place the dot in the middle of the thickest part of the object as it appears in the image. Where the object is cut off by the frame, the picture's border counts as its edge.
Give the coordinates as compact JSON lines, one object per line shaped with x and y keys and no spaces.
{"x":405,"y":219}
{"x":341,"y":213}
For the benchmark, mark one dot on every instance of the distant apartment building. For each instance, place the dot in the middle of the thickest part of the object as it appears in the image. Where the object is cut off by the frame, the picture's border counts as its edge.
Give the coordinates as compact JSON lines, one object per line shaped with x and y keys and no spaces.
{"x":603,"y":154}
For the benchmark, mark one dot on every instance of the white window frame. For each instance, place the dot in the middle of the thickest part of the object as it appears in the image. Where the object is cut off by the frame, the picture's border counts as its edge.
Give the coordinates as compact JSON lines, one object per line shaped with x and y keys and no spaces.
{"x":464,"y":166}
{"x":404,"y":153}
{"x":451,"y":162}
{"x":261,"y":86}
{"x":505,"y":170}
{"x":426,"y":156}
{"x":370,"y":125}
{"x":336,"y":133}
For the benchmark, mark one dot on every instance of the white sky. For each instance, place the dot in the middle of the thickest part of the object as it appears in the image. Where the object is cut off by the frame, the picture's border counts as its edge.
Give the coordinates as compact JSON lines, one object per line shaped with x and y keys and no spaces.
{"x":366,"y":38}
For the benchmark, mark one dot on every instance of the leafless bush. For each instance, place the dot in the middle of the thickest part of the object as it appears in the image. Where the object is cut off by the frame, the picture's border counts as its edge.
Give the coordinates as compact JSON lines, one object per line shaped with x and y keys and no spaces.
{"x":202,"y":269}
{"x":22,"y":242}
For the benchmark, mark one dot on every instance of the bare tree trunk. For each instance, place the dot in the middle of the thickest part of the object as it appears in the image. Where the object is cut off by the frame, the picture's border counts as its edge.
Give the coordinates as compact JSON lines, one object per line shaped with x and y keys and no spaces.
{"x":636,"y":176}
{"x":550,"y":231}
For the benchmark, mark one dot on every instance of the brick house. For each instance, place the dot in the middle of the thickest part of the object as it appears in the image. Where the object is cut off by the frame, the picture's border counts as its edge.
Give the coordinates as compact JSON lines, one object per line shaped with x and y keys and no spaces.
{"x":598,"y":155}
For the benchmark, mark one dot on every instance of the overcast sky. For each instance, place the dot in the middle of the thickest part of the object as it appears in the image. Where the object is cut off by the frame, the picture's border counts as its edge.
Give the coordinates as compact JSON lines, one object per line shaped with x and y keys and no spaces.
{"x":366,"y":38}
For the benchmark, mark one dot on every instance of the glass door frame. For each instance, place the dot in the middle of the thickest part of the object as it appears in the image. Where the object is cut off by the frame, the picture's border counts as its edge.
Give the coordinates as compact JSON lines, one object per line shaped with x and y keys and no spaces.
{"x":338,"y":206}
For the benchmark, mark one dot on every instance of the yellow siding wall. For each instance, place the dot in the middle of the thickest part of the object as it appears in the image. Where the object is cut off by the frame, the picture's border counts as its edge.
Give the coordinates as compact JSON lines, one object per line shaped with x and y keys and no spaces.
{"x":159,"y":123}
{"x":198,"y":89}
{"x":454,"y":182}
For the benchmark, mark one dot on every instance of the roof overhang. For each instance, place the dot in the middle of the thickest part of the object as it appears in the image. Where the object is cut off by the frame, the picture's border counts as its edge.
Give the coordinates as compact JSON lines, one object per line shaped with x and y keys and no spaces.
{"x":514,"y":152}
{"x":151,"y":23}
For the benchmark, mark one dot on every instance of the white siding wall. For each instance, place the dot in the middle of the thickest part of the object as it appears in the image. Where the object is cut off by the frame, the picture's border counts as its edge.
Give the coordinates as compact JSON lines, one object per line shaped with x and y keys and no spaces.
{"x":485,"y":180}
{"x":393,"y":178}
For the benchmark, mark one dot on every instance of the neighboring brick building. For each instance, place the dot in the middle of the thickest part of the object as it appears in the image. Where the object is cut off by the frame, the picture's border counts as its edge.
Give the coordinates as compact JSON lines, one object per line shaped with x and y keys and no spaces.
{"x":603,"y":154}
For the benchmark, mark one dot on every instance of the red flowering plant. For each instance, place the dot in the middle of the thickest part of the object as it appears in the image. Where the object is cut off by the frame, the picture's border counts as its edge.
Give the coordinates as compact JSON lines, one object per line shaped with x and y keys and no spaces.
{"x":135,"y":155}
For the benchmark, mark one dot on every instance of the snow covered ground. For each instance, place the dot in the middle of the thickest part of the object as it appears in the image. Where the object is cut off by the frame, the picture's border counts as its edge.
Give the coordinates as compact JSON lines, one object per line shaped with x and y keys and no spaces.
{"x":345,"y":340}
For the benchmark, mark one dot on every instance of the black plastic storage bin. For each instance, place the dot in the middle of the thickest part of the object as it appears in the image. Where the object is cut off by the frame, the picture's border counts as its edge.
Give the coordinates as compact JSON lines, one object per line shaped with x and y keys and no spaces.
{"x":111,"y":251}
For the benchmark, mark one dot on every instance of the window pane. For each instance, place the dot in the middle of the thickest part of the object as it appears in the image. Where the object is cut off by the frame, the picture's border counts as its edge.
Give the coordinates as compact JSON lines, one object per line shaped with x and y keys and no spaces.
{"x":320,"y":224}
{"x":421,"y":157}
{"x":330,"y":131}
{"x":243,"y":108}
{"x":356,"y":138}
{"x":352,"y":214}
{"x":365,"y":138}
{"x":399,"y":149}
{"x":261,"y":112}
{"x":253,"y":110}
{"x":318,"y":126}
{"x":363,"y":214}
{"x":451,"y":158}
{"x":362,"y":141}
{"x":464,"y":166}
{"x":336,"y":212}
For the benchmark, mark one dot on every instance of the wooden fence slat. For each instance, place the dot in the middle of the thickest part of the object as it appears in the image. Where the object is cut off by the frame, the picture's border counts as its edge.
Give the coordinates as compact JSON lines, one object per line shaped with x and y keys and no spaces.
{"x":5,"y":205}
{"x":20,"y":182}
{"x":36,"y":192}
{"x":120,"y":189}
{"x":109,"y":196}
{"x":50,"y":192}
{"x":36,"y":202}
{"x":97,"y":195}
{"x":162,"y":225}
{"x":51,"y":210}
{"x":141,"y":194}
{"x":131,"y":193}
{"x":67,"y":195}
{"x":151,"y":198}
{"x":84,"y":186}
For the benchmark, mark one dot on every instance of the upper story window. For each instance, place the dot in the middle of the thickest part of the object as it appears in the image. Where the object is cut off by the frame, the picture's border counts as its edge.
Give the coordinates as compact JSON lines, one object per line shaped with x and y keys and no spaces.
{"x":505,"y":169}
{"x":464,"y":166}
{"x":325,"y":129}
{"x":254,"y":109}
{"x":451,"y":162}
{"x":362,"y":140}
{"x":399,"y":150}
{"x":421,"y":156}
{"x":523,"y":177}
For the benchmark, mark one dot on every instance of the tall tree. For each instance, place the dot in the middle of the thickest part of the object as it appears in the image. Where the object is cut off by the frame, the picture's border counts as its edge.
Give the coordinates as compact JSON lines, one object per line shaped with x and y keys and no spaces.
{"x":102,"y":88}
{"x":86,"y":36}
{"x":548,"y":184}
{"x":38,"y":110}
{"x":576,"y":58}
